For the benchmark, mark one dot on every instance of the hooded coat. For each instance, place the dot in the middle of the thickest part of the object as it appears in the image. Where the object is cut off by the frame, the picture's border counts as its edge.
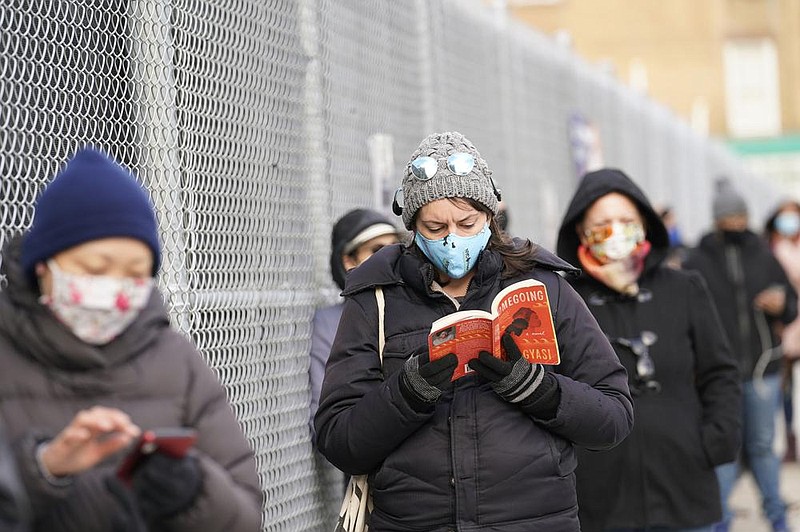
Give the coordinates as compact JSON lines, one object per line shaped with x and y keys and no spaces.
{"x":152,"y":373}
{"x":472,"y":461}
{"x":663,"y":473}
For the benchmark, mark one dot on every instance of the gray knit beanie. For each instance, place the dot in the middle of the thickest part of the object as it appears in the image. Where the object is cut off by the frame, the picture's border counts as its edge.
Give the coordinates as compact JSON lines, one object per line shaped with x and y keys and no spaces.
{"x":476,"y":185}
{"x":727,"y":201}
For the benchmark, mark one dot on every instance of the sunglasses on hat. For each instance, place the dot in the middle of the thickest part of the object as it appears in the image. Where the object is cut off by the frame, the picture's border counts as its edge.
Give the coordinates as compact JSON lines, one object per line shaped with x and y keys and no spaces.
{"x":460,"y":163}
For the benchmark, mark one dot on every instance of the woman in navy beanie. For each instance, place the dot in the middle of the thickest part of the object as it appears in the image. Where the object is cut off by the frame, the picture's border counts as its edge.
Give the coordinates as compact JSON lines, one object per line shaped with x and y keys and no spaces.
{"x":90,"y":362}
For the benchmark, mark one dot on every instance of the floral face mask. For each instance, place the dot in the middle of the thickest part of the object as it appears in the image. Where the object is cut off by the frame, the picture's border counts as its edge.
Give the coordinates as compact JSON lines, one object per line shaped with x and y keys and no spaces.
{"x":615,"y":241}
{"x":96,"y":308}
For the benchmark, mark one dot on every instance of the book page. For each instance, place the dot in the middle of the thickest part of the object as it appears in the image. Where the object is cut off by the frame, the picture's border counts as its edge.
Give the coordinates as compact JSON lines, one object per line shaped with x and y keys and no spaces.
{"x":523,"y":309}
{"x":465,"y":337}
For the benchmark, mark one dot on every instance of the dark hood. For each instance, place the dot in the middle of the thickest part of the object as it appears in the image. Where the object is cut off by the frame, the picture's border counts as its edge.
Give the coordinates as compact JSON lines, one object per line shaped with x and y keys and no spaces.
{"x":592,"y":187}
{"x":35,"y":331}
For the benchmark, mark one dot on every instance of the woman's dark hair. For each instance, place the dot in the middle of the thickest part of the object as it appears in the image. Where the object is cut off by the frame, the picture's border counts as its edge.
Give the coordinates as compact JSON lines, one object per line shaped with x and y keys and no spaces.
{"x":519,"y":256}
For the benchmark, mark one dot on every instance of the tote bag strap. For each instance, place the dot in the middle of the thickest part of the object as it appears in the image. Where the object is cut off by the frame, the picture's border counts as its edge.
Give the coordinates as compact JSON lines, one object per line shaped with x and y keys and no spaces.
{"x":381,"y":312}
{"x":357,"y":503}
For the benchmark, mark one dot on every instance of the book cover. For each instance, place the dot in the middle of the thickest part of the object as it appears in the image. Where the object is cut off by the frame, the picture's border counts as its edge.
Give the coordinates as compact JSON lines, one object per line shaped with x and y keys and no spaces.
{"x":522,"y":309}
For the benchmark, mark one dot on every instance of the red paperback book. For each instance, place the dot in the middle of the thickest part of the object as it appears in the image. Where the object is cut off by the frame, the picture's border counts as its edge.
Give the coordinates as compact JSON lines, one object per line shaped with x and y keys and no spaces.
{"x":521,"y":308}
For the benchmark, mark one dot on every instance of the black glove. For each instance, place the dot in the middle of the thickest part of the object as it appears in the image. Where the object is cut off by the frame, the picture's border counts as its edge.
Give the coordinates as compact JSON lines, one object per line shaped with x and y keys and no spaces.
{"x":422,"y":381}
{"x":129,"y":518}
{"x":518,"y":381}
{"x":165,"y":486}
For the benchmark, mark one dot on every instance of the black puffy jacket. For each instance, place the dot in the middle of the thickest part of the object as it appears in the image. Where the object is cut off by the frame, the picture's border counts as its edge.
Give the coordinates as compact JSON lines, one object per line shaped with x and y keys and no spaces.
{"x":474,"y":462}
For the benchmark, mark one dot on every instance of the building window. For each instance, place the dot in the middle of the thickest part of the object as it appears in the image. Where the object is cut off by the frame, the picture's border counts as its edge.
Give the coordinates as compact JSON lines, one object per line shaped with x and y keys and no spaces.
{"x":752,"y":94}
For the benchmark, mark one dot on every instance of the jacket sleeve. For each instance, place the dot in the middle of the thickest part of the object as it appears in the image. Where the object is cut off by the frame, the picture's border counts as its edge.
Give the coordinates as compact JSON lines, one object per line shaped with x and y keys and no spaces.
{"x":596,"y":411}
{"x":361,"y":417}
{"x":716,"y":376}
{"x":13,"y":499}
{"x":231,"y":496}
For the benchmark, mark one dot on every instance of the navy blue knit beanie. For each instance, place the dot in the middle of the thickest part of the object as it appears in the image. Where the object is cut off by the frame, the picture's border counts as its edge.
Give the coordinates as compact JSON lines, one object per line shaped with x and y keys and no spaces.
{"x":93,"y":197}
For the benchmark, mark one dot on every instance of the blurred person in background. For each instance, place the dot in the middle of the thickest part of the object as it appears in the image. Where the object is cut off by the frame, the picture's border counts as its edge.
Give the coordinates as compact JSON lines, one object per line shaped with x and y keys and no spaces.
{"x":681,"y":372}
{"x":783,"y":235}
{"x":493,"y":450}
{"x":677,"y":247}
{"x":355,"y":237}
{"x":754,"y":299}
{"x":90,"y":361}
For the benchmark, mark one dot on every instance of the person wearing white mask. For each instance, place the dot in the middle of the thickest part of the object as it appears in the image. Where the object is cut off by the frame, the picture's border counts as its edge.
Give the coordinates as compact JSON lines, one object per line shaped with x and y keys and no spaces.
{"x":682,"y":374}
{"x":90,"y":362}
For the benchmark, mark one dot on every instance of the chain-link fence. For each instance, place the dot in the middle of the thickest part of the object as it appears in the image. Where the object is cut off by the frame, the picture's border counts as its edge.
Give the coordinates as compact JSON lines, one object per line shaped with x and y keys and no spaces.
{"x":255,"y":124}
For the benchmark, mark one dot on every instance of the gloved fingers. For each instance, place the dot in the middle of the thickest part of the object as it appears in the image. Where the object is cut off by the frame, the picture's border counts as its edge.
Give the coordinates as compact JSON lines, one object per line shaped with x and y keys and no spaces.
{"x":120,"y":492}
{"x":162,"y":470}
{"x":439,"y":372}
{"x":422,"y":354}
{"x":129,"y":519}
{"x":509,"y":347}
{"x":490,"y":367}
{"x":446,"y":363}
{"x":165,"y":485}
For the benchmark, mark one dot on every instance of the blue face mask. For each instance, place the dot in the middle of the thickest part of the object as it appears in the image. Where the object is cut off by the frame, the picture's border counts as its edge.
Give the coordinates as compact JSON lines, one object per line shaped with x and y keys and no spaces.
{"x":455,"y":255}
{"x":787,"y":223}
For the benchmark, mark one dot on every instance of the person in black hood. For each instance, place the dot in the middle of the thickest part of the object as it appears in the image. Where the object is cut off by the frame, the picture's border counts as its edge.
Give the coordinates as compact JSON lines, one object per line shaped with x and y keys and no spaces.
{"x":492,"y":450}
{"x":355,"y":237}
{"x":755,"y":299}
{"x":683,"y":377}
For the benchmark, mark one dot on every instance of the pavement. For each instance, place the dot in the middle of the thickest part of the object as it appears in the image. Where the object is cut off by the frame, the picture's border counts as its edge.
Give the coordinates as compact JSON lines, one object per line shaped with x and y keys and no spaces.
{"x":746,"y":501}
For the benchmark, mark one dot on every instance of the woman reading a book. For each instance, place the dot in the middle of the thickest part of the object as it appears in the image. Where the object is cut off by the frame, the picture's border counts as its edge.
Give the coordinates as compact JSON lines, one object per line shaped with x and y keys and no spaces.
{"x":666,"y":332}
{"x":493,"y":449}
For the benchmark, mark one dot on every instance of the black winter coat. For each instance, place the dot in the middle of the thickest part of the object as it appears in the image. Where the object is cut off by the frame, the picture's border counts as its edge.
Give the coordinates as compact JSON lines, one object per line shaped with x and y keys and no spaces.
{"x":752,"y":333}
{"x":473,"y":461}
{"x":663,"y":473}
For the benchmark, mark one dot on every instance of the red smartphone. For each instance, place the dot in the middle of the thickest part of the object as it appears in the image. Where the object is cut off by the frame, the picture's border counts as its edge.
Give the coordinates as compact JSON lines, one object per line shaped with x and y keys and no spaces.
{"x":174,"y":442}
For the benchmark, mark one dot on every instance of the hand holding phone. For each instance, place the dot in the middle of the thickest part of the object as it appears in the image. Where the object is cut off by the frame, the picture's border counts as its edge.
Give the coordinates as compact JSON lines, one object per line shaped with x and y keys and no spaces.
{"x":172,"y":442}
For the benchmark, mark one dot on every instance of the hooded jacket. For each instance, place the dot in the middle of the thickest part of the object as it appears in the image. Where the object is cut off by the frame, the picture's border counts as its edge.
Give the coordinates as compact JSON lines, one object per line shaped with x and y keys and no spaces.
{"x":736,"y":271}
{"x":152,"y":373}
{"x":663,"y":473}
{"x":472,"y":461}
